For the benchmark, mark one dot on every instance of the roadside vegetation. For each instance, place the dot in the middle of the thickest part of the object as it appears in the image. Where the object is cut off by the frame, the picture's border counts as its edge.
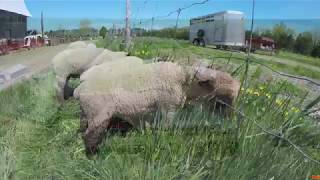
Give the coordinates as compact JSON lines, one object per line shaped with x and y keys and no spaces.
{"x":181,"y":50}
{"x":39,"y":138}
{"x":286,"y":39}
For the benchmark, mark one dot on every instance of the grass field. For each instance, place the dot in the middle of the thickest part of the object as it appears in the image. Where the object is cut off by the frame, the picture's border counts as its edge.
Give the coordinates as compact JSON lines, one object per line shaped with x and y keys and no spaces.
{"x":183,"y":51}
{"x":300,"y":58}
{"x":39,"y":138}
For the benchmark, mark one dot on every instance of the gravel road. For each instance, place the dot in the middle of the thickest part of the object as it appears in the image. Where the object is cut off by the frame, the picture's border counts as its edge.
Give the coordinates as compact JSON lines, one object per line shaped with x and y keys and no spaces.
{"x":36,"y":60}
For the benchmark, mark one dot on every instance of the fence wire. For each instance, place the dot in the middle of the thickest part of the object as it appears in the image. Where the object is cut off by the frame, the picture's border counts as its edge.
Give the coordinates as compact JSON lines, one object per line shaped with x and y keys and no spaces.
{"x":247,"y":61}
{"x":296,"y":147}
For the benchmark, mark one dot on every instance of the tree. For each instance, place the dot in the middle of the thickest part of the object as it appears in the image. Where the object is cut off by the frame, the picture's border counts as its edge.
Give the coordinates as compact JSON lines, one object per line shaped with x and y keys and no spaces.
{"x":267,"y":33}
{"x":283,"y":36}
{"x":85,"y":27}
{"x":103,"y":31}
{"x":316,"y":51}
{"x":316,"y":36}
{"x":255,"y":34}
{"x":304,"y":43}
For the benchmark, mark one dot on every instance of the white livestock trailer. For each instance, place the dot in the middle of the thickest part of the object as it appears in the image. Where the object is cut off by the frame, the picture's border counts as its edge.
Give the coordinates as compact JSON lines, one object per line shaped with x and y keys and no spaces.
{"x":224,"y":29}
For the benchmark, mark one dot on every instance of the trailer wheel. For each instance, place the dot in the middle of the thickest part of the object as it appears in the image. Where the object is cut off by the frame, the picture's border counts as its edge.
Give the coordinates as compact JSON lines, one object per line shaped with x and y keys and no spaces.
{"x":196,"y":42}
{"x":201,"y":33}
{"x":202,"y":43}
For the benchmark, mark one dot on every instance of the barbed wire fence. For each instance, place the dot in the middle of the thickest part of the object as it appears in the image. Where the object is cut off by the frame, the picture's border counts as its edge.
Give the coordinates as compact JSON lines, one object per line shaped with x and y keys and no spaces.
{"x":246,"y":63}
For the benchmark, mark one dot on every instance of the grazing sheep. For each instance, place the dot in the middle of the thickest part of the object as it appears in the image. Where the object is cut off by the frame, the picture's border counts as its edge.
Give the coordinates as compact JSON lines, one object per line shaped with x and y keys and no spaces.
{"x":130,"y":91}
{"x":75,"y":60}
{"x":77,"y":44}
{"x":107,"y":56}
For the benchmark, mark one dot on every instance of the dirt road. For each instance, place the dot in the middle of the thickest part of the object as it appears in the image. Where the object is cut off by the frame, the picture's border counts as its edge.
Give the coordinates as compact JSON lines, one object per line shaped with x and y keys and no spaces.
{"x":35,"y":60}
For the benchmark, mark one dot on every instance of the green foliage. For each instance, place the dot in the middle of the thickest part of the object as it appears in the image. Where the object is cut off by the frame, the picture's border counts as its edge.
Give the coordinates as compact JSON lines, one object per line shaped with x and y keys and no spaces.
{"x":267,"y":33}
{"x":85,"y":26}
{"x":299,"y":58}
{"x":304,"y":43}
{"x":180,"y":33}
{"x":255,"y":34}
{"x":283,"y":36}
{"x":316,"y":51}
{"x":112,"y":43}
{"x":103,"y":32}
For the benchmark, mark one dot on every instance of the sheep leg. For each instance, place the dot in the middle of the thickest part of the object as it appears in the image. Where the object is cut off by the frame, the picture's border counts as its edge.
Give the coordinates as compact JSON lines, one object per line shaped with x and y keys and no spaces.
{"x":95,"y":132}
{"x":61,"y":83}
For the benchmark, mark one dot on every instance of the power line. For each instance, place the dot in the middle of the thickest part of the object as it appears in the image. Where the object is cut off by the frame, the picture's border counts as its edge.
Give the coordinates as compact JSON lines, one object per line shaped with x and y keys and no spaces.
{"x":178,"y":11}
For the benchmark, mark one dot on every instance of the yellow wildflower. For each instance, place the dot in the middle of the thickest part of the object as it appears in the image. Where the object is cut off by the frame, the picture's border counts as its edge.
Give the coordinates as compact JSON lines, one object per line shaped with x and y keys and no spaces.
{"x":256,"y":93}
{"x":295,"y":110}
{"x":268,"y":96}
{"x":242,"y":89}
{"x":249,"y":91}
{"x":286,"y":113}
{"x":279,"y":102}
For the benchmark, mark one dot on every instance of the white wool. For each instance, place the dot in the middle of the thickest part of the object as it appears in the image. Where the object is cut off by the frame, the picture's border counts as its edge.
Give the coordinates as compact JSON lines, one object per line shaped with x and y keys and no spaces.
{"x":77,"y":44}
{"x":129,"y":88}
{"x":91,"y":45}
{"x":107,"y":56}
{"x":74,"y":60}
{"x":95,"y":78}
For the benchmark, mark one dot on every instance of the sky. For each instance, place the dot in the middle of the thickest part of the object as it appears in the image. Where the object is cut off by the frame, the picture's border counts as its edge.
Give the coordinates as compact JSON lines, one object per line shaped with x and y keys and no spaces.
{"x":145,"y":9}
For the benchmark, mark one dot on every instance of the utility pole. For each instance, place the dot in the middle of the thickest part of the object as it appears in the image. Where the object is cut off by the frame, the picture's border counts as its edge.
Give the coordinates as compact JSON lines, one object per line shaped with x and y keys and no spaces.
{"x":42,"y":28}
{"x":152,"y":23}
{"x":128,"y":31}
{"x":252,"y":26}
{"x":176,"y":28}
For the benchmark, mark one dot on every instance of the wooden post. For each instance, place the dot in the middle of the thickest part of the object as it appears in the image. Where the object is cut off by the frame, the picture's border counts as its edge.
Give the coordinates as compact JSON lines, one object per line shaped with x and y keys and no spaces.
{"x":128,"y":31}
{"x":42,"y":28}
{"x":152,"y":23}
{"x":176,"y":28}
{"x":252,"y":26}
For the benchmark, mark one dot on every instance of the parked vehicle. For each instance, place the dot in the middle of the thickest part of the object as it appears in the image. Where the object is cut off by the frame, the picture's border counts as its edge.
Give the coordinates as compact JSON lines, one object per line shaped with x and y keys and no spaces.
{"x":224,"y":29}
{"x":34,"y":41}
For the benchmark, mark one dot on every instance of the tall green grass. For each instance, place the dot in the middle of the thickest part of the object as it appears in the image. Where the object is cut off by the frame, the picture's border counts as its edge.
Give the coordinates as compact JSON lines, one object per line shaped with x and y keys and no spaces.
{"x":40,"y":140}
{"x":299,"y":58}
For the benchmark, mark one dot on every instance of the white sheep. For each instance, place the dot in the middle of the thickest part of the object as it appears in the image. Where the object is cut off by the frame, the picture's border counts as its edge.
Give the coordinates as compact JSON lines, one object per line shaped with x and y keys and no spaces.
{"x":129,"y":90}
{"x":77,"y":44}
{"x":75,"y":60}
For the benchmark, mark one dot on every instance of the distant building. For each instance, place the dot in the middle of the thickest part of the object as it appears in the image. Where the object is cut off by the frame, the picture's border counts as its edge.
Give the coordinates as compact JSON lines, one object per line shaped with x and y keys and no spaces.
{"x":263,"y":43}
{"x":13,"y":19}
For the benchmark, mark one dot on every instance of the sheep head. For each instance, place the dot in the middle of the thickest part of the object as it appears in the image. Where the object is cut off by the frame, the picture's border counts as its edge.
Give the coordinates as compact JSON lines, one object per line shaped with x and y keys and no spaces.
{"x":213,"y":86}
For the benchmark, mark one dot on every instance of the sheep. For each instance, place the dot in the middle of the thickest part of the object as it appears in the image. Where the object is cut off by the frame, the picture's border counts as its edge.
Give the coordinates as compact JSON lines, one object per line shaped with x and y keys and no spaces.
{"x":77,"y":44}
{"x":75,"y":60}
{"x":129,"y":90}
